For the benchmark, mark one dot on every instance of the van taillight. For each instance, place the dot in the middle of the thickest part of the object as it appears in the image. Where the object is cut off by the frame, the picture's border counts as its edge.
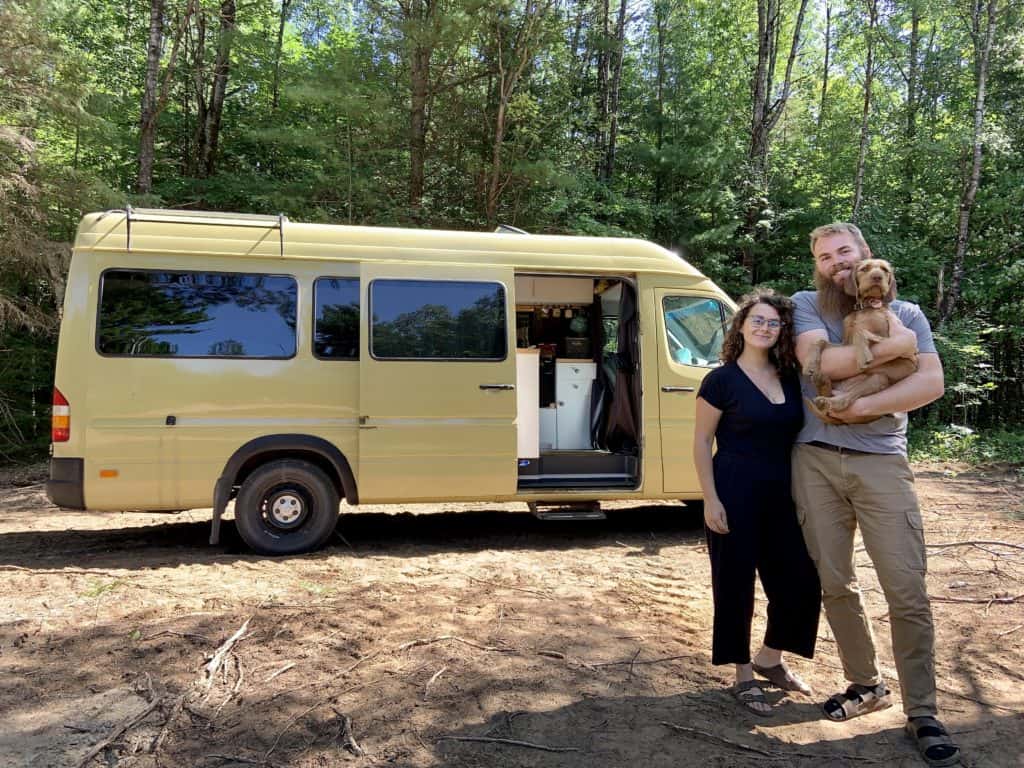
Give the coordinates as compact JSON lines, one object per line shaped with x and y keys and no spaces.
{"x":60,"y":422}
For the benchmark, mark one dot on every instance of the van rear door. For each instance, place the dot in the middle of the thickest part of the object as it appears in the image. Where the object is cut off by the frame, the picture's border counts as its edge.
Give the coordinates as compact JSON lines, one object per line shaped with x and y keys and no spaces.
{"x":691,"y":328}
{"x":437,"y":416}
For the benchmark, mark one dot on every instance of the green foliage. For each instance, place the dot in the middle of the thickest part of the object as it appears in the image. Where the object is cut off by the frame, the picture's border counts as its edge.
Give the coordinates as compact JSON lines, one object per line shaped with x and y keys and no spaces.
{"x":320,"y":130}
{"x":950,"y":442}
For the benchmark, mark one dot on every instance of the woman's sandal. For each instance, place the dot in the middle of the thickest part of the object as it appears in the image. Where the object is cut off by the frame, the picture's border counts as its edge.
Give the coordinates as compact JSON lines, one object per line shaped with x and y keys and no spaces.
{"x":782,"y":678}
{"x":933,"y":741}
{"x":748,"y":693}
{"x":857,"y":700}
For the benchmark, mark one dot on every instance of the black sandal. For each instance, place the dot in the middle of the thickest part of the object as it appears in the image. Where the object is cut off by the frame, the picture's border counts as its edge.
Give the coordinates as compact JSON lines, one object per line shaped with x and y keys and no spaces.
{"x":749,"y":692}
{"x":933,"y":741}
{"x":857,"y":700}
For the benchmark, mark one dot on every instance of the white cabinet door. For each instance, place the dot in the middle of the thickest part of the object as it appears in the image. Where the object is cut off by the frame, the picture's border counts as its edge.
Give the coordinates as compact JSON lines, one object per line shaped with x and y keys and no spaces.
{"x":573,"y":384}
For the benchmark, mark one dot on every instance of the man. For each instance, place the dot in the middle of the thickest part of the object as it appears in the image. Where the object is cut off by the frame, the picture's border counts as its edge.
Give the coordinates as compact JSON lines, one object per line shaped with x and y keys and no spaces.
{"x":852,"y":475}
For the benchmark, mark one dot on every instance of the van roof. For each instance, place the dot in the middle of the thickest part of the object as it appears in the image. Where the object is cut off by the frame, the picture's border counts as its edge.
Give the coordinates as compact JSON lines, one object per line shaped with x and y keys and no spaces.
{"x":207,"y":234}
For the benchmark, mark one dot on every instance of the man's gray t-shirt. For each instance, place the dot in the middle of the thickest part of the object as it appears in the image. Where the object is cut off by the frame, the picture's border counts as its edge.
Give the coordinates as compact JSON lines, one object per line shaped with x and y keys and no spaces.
{"x":887,"y":434}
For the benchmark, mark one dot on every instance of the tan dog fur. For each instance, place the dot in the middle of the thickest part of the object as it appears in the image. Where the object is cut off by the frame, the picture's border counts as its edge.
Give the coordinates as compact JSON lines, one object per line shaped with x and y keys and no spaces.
{"x":875,"y":287}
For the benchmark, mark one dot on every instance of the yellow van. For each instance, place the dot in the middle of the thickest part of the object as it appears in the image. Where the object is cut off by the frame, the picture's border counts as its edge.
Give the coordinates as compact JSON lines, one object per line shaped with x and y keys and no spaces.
{"x":205,"y":357}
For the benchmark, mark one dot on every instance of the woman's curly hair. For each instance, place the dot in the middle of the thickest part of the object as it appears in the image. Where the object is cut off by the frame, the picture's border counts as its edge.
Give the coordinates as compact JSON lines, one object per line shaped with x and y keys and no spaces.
{"x":783,"y":354}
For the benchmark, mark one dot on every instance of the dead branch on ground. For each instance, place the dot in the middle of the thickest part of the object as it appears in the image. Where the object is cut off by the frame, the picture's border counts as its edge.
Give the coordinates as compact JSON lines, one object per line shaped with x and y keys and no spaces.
{"x":788,"y":755}
{"x":120,"y":729}
{"x":995,"y":599}
{"x":457,"y":639}
{"x":510,"y":742}
{"x":344,"y":736}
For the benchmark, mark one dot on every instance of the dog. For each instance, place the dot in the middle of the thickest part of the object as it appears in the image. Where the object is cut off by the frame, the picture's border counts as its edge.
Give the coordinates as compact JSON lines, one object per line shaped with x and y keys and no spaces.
{"x":874,"y":285}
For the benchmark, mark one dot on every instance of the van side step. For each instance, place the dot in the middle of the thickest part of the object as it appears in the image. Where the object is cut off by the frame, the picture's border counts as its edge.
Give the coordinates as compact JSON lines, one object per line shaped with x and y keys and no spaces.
{"x":588,"y":510}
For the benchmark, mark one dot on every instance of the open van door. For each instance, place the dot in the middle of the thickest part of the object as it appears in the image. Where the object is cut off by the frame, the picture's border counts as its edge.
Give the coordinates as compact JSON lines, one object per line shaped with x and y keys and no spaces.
{"x":437,"y":375}
{"x":691,"y":328}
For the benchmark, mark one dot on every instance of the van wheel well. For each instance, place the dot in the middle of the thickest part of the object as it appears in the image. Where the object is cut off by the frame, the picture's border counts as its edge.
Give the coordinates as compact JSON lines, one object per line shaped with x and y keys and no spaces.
{"x":316,"y":459}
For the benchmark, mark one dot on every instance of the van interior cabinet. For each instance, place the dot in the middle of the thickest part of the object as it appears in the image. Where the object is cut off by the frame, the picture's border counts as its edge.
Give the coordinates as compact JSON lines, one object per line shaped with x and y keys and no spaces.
{"x":574,"y":380}
{"x":527,"y":403}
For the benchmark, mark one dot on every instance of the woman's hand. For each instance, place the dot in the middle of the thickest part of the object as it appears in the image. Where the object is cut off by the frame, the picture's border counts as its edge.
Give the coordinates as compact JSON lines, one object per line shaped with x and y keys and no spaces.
{"x":714,"y":516}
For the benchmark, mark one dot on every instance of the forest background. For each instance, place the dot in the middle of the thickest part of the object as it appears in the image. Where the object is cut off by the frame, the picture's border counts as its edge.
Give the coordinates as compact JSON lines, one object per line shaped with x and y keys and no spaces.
{"x":723,"y":130}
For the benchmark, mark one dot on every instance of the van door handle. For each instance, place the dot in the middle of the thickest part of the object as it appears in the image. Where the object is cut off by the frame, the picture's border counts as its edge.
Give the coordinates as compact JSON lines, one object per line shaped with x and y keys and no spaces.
{"x":363,"y":424}
{"x":497,"y":386}
{"x":678,"y":389}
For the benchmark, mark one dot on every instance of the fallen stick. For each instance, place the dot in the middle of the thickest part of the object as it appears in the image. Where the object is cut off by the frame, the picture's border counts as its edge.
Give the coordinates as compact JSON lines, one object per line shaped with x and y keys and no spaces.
{"x":788,"y":755}
{"x":510,"y":742}
{"x":974,"y":543}
{"x":433,"y":678}
{"x":470,"y":643}
{"x":1010,"y":631}
{"x":633,"y":662}
{"x":118,"y":730}
{"x":281,"y":671}
{"x":987,"y":600}
{"x":345,"y":737}
{"x":221,"y":653}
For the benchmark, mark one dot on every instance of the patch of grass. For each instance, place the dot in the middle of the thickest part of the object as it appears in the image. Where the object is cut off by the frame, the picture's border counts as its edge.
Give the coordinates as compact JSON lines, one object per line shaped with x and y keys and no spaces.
{"x":317,"y":589}
{"x":97,"y":588}
{"x":949,"y":442}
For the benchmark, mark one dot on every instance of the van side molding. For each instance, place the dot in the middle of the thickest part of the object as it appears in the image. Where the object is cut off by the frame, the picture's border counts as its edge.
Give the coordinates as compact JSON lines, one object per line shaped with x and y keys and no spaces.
{"x":278,"y":444}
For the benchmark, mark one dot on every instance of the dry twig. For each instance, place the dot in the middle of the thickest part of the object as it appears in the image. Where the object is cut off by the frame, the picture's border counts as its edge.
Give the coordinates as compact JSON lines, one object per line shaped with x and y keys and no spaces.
{"x":510,"y":742}
{"x":118,"y":731}
{"x":788,"y":755}
{"x":345,"y":737}
{"x":470,"y":643}
{"x":281,"y":671}
{"x":999,"y":600}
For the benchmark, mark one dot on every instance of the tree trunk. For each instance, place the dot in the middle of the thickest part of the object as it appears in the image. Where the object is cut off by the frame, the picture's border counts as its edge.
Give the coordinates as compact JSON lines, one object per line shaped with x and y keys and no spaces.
{"x":613,"y":93}
{"x":869,"y":73}
{"x":420,"y":82}
{"x":603,"y":62}
{"x":508,"y":75}
{"x":982,"y":50}
{"x":765,"y":114}
{"x":147,"y":118}
{"x":824,"y":77}
{"x":275,"y":99}
{"x":221,"y":69}
{"x":199,"y":86}
{"x":659,"y":174}
{"x":910,"y":132}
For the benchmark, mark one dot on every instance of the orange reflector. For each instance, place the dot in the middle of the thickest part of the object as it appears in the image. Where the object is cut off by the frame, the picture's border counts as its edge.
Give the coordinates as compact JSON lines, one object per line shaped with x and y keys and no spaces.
{"x":108,"y":473}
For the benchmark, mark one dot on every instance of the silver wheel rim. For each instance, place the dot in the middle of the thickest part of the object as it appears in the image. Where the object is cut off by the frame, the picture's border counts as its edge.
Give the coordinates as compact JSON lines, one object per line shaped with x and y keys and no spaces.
{"x":286,"y":509}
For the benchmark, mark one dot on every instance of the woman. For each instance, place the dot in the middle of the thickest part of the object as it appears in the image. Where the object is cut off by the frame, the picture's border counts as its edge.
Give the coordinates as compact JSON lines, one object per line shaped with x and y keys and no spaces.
{"x":751,"y":406}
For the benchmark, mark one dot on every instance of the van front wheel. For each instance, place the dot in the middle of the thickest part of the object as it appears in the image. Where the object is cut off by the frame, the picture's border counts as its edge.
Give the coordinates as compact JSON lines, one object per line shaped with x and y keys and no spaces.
{"x":286,"y":507}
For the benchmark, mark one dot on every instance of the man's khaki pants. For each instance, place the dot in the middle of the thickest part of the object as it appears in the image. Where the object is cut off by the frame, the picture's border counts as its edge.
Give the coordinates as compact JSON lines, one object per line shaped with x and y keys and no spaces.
{"x":834,"y":493}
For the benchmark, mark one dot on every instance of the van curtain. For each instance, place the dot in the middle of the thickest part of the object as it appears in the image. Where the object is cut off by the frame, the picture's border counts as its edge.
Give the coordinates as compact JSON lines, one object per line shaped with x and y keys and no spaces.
{"x":614,"y":405}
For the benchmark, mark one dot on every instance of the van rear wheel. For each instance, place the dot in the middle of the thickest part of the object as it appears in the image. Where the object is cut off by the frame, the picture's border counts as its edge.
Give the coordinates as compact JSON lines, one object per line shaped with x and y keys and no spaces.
{"x":286,"y":507}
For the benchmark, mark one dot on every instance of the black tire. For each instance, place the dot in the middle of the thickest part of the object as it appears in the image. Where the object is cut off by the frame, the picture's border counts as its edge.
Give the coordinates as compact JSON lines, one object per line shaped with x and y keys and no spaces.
{"x":286,"y":507}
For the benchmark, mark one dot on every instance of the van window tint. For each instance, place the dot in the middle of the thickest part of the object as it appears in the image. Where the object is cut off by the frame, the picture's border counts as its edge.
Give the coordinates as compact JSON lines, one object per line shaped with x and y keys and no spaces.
{"x":196,"y":314}
{"x":336,"y":327}
{"x":695,"y":327}
{"x":438,"y":319}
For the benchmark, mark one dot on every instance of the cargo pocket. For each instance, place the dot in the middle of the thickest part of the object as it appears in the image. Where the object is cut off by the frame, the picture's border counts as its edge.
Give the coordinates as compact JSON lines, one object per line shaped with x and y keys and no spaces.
{"x":916,"y":555}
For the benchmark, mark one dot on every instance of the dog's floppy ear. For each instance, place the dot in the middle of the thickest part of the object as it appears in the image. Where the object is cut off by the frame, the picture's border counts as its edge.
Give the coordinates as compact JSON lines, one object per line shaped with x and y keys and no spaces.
{"x":890,"y":295}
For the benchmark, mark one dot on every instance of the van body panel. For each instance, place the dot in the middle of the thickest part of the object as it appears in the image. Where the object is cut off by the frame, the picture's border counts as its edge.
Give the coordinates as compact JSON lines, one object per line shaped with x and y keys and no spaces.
{"x":683,"y":362}
{"x":157,"y":432}
{"x":435,"y":428}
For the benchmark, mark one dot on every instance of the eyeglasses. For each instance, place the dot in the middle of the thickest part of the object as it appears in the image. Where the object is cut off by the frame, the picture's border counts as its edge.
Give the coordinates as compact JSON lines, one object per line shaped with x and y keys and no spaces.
{"x":758,"y":322}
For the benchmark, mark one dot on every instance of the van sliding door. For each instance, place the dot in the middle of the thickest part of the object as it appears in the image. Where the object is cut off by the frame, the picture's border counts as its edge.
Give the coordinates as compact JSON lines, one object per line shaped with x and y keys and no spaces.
{"x":437,"y":416}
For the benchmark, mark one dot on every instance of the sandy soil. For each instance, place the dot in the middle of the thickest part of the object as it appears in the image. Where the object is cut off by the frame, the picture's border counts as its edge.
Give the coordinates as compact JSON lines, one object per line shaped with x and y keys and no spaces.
{"x":418,"y":631}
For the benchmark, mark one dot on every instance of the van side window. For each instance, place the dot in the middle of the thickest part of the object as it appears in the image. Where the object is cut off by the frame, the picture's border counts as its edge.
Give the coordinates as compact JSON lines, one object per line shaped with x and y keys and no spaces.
{"x":695,"y":327}
{"x":437,"y":319}
{"x":147,"y":313}
{"x":336,"y":323}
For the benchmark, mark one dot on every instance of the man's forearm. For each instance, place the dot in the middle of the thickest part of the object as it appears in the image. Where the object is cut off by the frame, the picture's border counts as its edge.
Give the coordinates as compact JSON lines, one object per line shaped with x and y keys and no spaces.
{"x":915,"y":391}
{"x":841,"y":362}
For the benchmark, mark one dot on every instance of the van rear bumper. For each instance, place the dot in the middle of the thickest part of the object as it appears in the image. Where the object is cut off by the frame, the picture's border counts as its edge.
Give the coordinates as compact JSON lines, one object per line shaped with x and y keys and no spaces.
{"x":65,"y":486}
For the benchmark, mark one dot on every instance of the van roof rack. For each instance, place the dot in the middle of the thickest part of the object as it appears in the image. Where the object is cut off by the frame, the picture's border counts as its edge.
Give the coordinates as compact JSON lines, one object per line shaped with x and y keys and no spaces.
{"x":510,"y":229}
{"x":208,"y":218}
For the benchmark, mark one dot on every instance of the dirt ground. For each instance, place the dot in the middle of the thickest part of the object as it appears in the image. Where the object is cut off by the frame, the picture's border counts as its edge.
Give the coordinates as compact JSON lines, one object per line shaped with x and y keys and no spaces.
{"x":417,"y":637}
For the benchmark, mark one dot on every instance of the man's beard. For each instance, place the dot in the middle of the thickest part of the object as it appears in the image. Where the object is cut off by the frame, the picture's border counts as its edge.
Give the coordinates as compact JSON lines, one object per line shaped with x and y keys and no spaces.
{"x":833,"y":300}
